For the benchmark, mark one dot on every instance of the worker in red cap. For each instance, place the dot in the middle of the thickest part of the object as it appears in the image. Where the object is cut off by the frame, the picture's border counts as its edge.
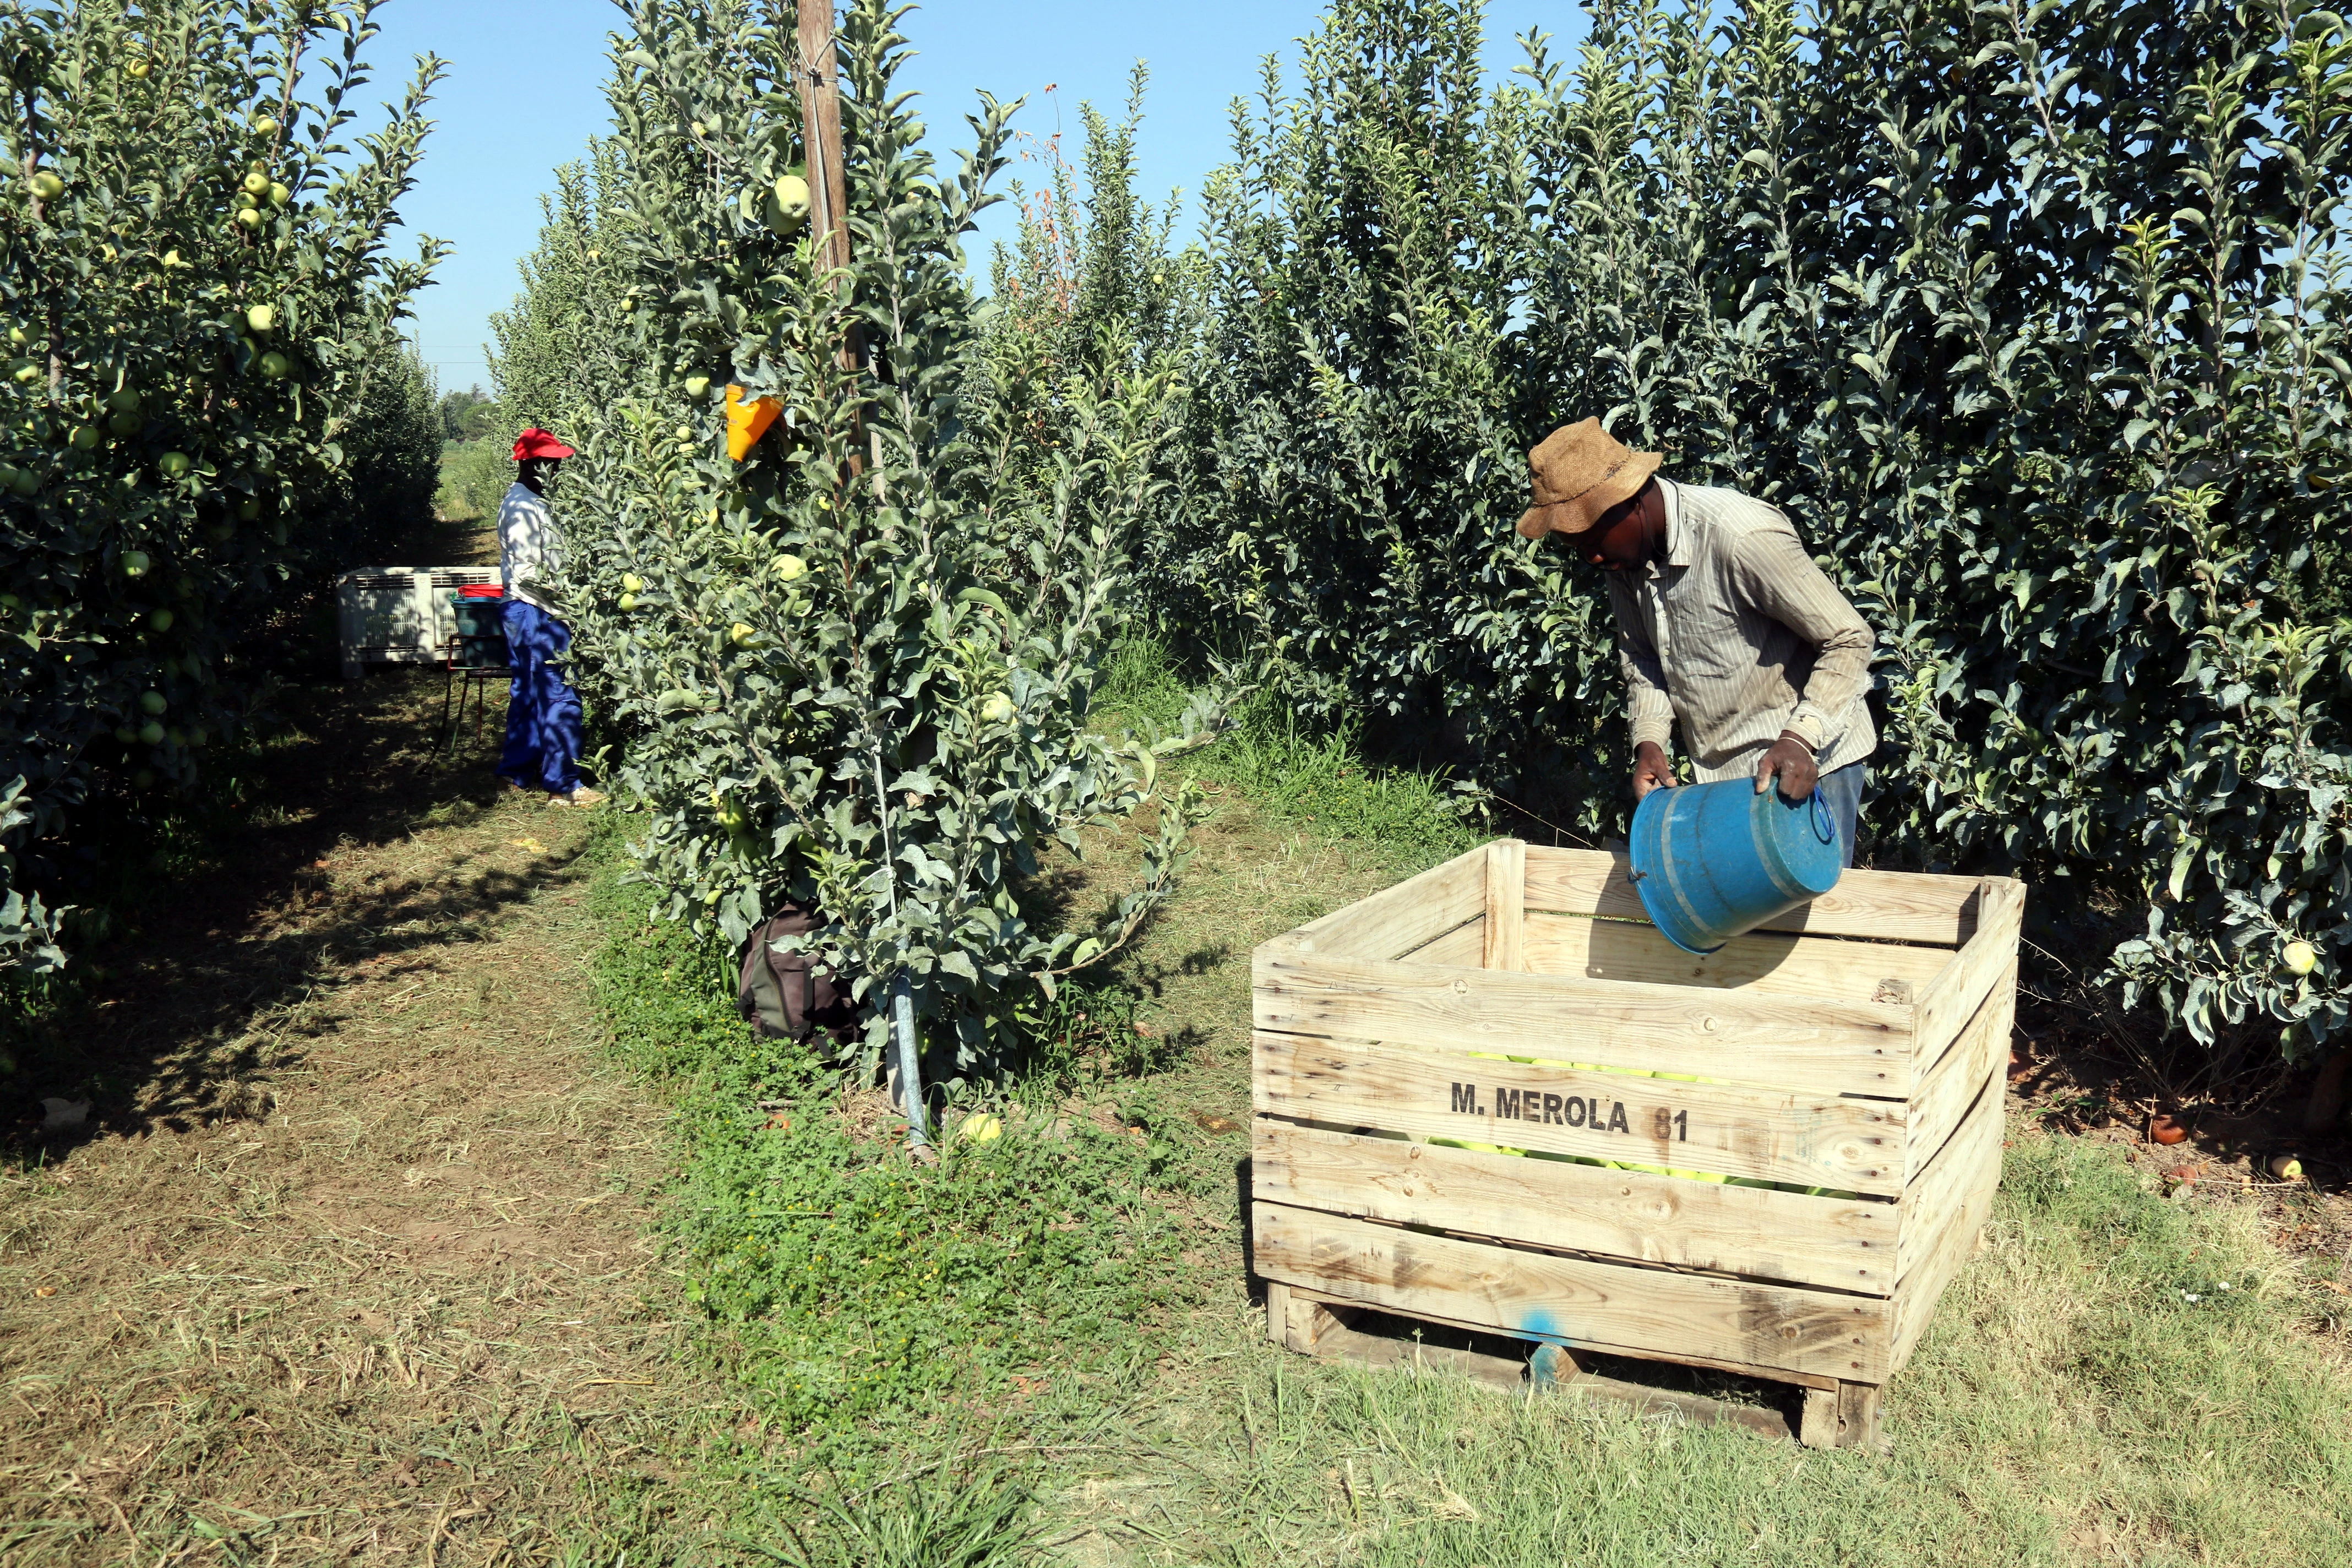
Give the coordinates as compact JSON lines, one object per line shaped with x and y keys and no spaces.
{"x":544,"y":734}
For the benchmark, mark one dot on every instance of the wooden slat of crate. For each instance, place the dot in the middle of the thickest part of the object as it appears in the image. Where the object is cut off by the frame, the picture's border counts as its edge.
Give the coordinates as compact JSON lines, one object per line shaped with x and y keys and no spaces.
{"x":1933,"y":1201}
{"x":1772,"y":964}
{"x":1885,"y":906}
{"x":1814,"y":1045}
{"x":1399,"y":919}
{"x":1953,"y":998}
{"x":1464,"y":947}
{"x":1854,"y":1145}
{"x":1578,"y":1301}
{"x":1506,"y":888}
{"x":1843,"y":1243}
{"x":1302,"y":1322}
{"x":1947,"y":1088}
{"x":1636,"y":1353}
{"x":1976,"y":1174}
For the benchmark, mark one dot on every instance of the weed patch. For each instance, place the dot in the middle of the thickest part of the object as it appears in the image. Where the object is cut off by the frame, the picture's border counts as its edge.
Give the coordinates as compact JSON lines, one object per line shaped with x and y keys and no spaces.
{"x":846,"y":1282}
{"x":1297,"y":776}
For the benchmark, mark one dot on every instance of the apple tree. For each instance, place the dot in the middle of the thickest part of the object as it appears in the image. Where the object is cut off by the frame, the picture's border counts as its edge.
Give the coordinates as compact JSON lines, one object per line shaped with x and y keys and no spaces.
{"x":199,"y":313}
{"x":848,"y":660}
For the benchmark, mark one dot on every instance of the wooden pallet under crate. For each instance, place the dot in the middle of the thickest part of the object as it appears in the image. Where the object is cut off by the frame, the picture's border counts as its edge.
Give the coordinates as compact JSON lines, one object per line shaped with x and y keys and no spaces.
{"x":1850,"y":1054}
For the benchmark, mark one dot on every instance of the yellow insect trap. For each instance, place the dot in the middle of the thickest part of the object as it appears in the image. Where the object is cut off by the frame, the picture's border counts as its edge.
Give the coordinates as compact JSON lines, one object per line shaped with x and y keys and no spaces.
{"x":747,"y":422}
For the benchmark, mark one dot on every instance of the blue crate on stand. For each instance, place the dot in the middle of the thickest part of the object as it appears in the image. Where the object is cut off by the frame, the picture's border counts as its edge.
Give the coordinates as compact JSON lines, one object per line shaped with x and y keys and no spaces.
{"x":475,"y":657}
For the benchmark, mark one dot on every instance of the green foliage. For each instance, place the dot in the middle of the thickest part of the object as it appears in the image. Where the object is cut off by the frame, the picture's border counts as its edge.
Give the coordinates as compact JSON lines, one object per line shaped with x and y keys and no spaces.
{"x":573,"y":337}
{"x":206,"y":394}
{"x":1366,"y":393}
{"x":856,"y":667}
{"x":470,"y":415}
{"x":474,"y":477}
{"x":853,"y":1284}
{"x":2032,"y":320}
{"x":391,"y":445}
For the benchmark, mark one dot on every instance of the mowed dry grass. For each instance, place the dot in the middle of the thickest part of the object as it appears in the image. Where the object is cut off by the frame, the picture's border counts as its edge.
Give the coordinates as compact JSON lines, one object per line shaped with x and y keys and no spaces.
{"x":350,"y":1260}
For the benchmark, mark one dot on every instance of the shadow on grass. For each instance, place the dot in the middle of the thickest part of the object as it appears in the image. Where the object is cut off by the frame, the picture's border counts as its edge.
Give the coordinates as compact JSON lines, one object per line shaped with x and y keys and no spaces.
{"x":217,"y":976}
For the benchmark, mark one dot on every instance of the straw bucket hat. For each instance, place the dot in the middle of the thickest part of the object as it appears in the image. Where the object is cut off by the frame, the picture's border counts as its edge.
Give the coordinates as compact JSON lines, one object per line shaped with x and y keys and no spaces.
{"x":1580,"y":471}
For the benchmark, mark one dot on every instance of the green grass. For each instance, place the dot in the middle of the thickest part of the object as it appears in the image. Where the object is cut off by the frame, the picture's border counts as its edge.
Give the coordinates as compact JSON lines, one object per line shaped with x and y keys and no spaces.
{"x":2121,"y":1377}
{"x":845,"y":1285}
{"x":1297,"y":777}
{"x":2091,"y":1392}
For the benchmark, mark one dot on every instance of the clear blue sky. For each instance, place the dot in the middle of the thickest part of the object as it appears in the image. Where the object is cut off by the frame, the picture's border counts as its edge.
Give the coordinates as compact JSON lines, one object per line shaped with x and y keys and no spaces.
{"x":523,"y":95}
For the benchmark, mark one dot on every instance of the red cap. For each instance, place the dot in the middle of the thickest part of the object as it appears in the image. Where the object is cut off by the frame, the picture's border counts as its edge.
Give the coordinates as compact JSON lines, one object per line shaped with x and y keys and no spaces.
{"x":538,"y":443}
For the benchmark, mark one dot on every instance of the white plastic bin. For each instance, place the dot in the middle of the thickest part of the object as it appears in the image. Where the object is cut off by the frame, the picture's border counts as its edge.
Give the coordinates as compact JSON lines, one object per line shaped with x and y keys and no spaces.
{"x":399,"y":614}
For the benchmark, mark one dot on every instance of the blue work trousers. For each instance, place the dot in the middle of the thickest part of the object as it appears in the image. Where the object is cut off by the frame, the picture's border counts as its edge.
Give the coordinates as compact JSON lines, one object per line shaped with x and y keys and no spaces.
{"x":542,"y":749}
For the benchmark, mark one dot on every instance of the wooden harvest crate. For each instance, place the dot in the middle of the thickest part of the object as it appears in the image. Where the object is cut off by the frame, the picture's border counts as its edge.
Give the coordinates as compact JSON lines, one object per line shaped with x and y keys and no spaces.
{"x":1846,"y":1060}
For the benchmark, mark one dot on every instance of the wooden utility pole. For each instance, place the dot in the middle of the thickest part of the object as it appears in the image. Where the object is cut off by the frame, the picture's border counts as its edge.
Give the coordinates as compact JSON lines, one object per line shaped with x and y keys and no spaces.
{"x":828,"y":186}
{"x":828,"y":182}
{"x":821,"y":120}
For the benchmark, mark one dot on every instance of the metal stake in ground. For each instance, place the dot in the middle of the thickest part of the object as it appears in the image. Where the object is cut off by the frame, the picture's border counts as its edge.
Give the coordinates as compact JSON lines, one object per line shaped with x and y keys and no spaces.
{"x":902,"y":999}
{"x":910,"y":1072}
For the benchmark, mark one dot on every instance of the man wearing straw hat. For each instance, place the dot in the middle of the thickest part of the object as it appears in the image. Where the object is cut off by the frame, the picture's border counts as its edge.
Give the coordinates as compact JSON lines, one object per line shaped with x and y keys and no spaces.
{"x":1724,"y":625}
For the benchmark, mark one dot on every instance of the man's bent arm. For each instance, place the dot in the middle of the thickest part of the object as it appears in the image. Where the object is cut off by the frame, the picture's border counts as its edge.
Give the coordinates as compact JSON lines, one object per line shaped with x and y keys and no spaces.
{"x":1780,"y":579}
{"x":1647,"y":707}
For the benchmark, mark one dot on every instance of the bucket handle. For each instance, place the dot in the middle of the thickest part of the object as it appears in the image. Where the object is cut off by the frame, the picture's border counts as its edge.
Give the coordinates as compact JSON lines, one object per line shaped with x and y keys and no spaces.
{"x":1825,"y":824}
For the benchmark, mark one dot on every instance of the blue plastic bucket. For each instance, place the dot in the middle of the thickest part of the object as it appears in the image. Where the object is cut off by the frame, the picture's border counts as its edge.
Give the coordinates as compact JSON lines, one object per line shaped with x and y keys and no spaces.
{"x":1714,"y":860}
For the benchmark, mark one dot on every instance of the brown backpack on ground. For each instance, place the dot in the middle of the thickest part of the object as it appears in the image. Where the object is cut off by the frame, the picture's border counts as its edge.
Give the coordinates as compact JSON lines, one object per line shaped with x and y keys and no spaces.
{"x":779,"y":995}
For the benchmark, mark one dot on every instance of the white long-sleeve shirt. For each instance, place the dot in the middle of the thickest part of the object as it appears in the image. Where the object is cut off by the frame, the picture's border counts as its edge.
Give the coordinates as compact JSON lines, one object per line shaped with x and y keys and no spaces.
{"x":530,"y":550}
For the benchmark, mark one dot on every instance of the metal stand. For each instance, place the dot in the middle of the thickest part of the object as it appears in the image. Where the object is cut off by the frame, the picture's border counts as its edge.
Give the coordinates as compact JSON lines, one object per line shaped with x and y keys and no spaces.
{"x":466,"y":680}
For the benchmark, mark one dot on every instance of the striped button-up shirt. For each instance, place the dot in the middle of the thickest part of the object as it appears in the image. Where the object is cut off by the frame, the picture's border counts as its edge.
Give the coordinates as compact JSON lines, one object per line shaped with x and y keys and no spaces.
{"x":1737,"y":636}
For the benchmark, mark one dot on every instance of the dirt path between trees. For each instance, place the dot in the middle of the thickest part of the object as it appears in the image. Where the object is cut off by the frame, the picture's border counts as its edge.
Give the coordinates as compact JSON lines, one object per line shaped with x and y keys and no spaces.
{"x":348,"y":1260}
